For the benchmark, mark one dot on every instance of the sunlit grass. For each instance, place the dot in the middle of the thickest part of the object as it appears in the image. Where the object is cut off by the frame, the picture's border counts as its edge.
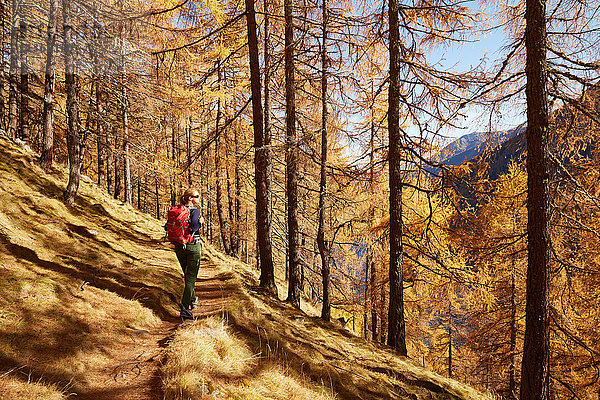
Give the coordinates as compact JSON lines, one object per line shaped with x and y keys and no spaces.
{"x":24,"y":389}
{"x":202,"y":353}
{"x":208,"y":358}
{"x":328,"y":352}
{"x":54,"y":321}
{"x":57,"y":321}
{"x":210,"y":348}
{"x":275,"y":382}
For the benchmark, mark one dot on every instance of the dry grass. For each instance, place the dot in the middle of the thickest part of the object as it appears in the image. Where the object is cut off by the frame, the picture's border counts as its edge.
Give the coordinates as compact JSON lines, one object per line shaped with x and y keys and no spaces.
{"x":55,"y":328}
{"x":275,"y":382}
{"x":77,"y":281}
{"x":72,"y":289}
{"x":210,"y":348}
{"x":327,"y":352}
{"x":206,"y":358}
{"x":201,"y":354}
{"x":22,"y":389}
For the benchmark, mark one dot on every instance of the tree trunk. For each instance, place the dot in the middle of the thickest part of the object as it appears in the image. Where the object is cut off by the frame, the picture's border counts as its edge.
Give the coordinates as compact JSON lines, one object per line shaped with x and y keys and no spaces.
{"x":203,"y":193}
{"x":246,"y":249}
{"x":512,"y":384}
{"x":121,"y":144}
{"x":48,"y":115}
{"x":24,"y":132}
{"x":291,"y":159}
{"x":146,"y":190}
{"x":230,"y":202}
{"x":536,"y":352}
{"x":209,"y":207}
{"x":373,"y":299}
{"x":188,"y":137}
{"x":157,"y":196}
{"x":219,"y":194}
{"x":267,"y":113}
{"x":450,"y":334}
{"x":374,"y":293}
{"x":125,"y":122}
{"x":109,"y":162}
{"x":139,"y":189}
{"x":13,"y":96}
{"x":383,"y":330}
{"x":117,"y":162}
{"x":71,"y":87}
{"x":101,"y":135}
{"x":366,"y":300}
{"x":174,"y":163}
{"x":89,"y":120}
{"x":267,"y":59}
{"x":396,"y":325}
{"x":238,"y":194}
{"x":126,"y":158}
{"x":323,"y":248}
{"x":262,"y":160}
{"x":4,"y":15}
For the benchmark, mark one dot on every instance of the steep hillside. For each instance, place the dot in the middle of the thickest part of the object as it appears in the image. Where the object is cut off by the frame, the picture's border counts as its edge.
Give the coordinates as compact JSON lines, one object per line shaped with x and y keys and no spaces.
{"x":573,"y":140}
{"x":499,"y":158}
{"x":462,"y":149}
{"x":88,"y":310}
{"x":469,"y":146}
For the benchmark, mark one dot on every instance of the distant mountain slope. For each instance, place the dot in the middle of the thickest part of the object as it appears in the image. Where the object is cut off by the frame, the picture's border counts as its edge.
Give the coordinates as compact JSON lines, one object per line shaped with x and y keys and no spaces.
{"x":573,"y":140}
{"x":462,"y":148}
{"x":500,"y":157}
{"x":88,"y":306}
{"x":470,"y":146}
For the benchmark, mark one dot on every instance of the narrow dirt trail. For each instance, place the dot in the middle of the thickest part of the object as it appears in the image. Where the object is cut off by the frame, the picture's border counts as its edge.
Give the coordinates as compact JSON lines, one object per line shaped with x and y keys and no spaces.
{"x":134,"y":371}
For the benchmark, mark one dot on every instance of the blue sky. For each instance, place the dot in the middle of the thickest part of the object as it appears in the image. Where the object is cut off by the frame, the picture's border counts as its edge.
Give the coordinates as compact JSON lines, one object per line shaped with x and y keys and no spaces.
{"x":463,"y":56}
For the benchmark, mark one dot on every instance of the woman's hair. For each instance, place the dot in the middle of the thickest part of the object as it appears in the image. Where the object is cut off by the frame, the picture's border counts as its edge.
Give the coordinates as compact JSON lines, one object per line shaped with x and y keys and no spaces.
{"x":185,"y":197}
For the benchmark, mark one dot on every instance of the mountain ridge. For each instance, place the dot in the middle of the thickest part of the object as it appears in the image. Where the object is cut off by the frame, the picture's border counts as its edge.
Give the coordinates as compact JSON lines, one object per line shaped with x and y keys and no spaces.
{"x":471,"y":145}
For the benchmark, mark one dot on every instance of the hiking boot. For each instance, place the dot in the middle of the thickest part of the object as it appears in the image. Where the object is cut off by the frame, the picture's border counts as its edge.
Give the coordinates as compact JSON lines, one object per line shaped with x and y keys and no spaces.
{"x":194,"y":302}
{"x":186,"y":314}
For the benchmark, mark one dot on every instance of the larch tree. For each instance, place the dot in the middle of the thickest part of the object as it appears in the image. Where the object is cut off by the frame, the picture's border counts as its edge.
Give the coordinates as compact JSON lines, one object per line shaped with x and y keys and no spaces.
{"x":163,"y":114}
{"x":321,"y":242}
{"x":100,"y":124}
{"x":223,"y":224}
{"x":535,"y":373}
{"x":123,"y":99}
{"x":493,"y":234}
{"x":74,"y":144}
{"x":126,"y":146}
{"x":396,"y":323}
{"x":47,"y":153}
{"x":291,"y":159}
{"x":262,"y":153}
{"x":13,"y":88}
{"x":24,"y":39}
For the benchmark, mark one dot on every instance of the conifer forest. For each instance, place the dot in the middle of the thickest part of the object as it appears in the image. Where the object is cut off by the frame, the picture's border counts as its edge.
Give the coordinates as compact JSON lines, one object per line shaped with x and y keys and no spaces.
{"x":440,"y":198}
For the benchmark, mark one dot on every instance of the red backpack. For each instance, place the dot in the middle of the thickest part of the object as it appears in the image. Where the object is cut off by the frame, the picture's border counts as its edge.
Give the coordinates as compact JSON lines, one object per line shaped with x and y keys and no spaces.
{"x":178,"y":225}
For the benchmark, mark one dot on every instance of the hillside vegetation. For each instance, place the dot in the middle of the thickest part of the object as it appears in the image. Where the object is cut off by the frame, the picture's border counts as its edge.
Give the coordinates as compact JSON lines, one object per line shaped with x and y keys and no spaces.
{"x":88,"y":306}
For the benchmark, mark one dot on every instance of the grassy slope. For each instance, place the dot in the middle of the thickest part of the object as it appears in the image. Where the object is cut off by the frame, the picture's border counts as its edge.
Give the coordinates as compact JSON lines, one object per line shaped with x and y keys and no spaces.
{"x":55,"y":328}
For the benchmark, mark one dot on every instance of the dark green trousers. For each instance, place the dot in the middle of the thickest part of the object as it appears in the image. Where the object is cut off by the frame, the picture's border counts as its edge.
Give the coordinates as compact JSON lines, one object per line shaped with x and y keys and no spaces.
{"x":189,"y":259}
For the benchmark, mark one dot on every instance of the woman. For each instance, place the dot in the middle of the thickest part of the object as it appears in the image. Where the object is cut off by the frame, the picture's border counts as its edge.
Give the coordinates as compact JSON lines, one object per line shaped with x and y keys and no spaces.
{"x":189,"y":254}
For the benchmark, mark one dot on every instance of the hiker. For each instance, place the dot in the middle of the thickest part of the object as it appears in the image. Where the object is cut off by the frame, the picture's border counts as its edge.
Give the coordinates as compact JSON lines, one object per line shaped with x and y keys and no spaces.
{"x":183,"y":225}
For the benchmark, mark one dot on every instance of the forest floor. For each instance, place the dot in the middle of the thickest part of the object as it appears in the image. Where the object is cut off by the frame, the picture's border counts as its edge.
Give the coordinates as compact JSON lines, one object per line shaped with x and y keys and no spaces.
{"x":134,"y":372}
{"x":89,"y":310}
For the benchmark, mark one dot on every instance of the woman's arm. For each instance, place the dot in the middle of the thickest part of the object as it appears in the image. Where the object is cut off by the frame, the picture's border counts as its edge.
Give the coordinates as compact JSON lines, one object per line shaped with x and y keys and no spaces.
{"x":195,"y":220}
